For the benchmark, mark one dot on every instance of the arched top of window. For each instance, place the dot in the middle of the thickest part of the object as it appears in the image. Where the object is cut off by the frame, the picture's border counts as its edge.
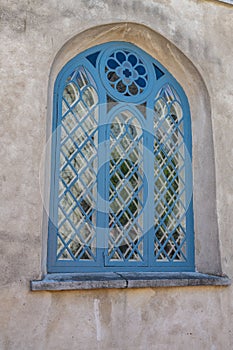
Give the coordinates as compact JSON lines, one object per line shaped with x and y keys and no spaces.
{"x":121,"y":190}
{"x":123,"y":71}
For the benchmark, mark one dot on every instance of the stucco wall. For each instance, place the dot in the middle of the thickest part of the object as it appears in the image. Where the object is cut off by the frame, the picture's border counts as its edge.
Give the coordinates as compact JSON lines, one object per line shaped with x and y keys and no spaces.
{"x":32,"y":36}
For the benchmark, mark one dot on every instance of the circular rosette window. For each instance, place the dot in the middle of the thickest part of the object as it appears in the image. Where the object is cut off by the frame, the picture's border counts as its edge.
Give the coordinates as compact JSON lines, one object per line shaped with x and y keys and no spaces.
{"x":125,"y":75}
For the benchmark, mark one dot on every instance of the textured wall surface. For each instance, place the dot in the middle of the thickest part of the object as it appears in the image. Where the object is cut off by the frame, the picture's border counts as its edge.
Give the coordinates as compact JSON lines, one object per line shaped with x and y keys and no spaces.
{"x":32,"y":34}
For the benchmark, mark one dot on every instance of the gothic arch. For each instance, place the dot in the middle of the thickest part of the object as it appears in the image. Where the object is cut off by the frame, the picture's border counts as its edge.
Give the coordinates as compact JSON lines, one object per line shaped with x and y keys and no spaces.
{"x":207,"y":252}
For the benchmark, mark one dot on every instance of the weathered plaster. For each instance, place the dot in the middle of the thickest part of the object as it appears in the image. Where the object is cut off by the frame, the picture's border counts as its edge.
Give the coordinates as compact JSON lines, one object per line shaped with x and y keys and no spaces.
{"x":32,"y":35}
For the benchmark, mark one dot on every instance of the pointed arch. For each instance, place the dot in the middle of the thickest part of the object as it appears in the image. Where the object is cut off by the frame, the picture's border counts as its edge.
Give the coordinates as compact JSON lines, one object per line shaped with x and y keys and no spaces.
{"x":207,"y":258}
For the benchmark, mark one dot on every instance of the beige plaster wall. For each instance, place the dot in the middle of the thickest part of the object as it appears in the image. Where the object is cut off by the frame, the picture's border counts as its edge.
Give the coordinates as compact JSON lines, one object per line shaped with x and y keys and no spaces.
{"x":33,"y":34}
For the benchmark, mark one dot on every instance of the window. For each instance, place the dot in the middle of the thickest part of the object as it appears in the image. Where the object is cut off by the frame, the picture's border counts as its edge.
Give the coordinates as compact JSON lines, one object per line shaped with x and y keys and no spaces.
{"x":121,"y":188}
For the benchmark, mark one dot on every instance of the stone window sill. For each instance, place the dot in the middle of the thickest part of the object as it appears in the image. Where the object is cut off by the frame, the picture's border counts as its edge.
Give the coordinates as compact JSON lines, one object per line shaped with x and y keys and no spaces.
{"x":58,"y":282}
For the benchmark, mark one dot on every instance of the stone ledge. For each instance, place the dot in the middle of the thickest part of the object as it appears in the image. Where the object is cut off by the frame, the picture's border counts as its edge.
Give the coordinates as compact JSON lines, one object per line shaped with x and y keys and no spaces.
{"x":78,"y":281}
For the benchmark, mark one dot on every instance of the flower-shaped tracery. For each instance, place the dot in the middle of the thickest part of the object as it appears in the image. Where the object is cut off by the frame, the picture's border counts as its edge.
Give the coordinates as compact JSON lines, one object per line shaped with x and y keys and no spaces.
{"x":126,"y":73}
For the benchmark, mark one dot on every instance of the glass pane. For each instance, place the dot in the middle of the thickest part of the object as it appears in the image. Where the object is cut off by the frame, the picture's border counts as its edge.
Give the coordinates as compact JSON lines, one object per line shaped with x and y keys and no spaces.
{"x":169,"y":175}
{"x":71,"y":93}
{"x":78,"y":164}
{"x":126,"y":189}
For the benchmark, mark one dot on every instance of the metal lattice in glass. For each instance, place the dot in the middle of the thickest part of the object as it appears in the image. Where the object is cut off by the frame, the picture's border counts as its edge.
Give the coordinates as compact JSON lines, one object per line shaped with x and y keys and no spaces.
{"x":121,"y":197}
{"x":169,"y":177}
{"x":77,"y":174}
{"x":125,"y":189}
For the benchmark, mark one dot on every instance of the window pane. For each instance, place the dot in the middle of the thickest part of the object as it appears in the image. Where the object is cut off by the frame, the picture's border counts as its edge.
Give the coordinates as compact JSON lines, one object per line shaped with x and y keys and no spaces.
{"x":78,"y":167}
{"x":169,"y":175}
{"x":126,"y":189}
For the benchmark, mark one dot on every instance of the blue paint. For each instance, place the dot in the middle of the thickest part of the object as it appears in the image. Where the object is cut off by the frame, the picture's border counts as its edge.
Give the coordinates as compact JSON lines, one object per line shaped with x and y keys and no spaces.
{"x":93,"y":58}
{"x":88,"y":210}
{"x":159,"y":73}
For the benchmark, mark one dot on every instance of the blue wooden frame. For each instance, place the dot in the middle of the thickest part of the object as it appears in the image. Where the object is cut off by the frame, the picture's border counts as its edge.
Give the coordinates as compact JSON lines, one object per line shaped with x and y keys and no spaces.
{"x":92,"y":60}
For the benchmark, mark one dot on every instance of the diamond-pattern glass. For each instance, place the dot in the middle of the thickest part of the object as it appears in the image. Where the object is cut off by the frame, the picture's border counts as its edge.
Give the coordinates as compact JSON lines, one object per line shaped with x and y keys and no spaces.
{"x":126,"y":189}
{"x":78,"y":163}
{"x":169,"y":175}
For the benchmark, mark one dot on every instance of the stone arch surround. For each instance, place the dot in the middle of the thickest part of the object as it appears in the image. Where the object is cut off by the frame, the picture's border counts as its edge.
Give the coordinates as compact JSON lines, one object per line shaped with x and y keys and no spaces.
{"x":207,"y":252}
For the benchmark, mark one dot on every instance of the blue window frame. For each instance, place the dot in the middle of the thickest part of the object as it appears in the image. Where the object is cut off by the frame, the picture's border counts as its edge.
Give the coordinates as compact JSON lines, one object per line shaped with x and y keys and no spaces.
{"x":121,"y":184}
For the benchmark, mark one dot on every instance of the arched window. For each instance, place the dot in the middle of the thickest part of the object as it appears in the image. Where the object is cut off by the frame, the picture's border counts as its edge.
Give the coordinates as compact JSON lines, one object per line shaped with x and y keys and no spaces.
{"x":121,"y":184}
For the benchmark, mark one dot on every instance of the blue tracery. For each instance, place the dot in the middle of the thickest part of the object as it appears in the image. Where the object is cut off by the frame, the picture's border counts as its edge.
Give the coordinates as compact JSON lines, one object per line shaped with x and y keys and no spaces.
{"x":129,"y":71}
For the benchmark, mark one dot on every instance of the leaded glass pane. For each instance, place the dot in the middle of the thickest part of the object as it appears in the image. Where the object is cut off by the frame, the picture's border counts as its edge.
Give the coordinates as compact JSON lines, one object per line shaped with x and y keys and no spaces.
{"x":78,"y":169}
{"x":126,"y":189}
{"x":169,"y":175}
